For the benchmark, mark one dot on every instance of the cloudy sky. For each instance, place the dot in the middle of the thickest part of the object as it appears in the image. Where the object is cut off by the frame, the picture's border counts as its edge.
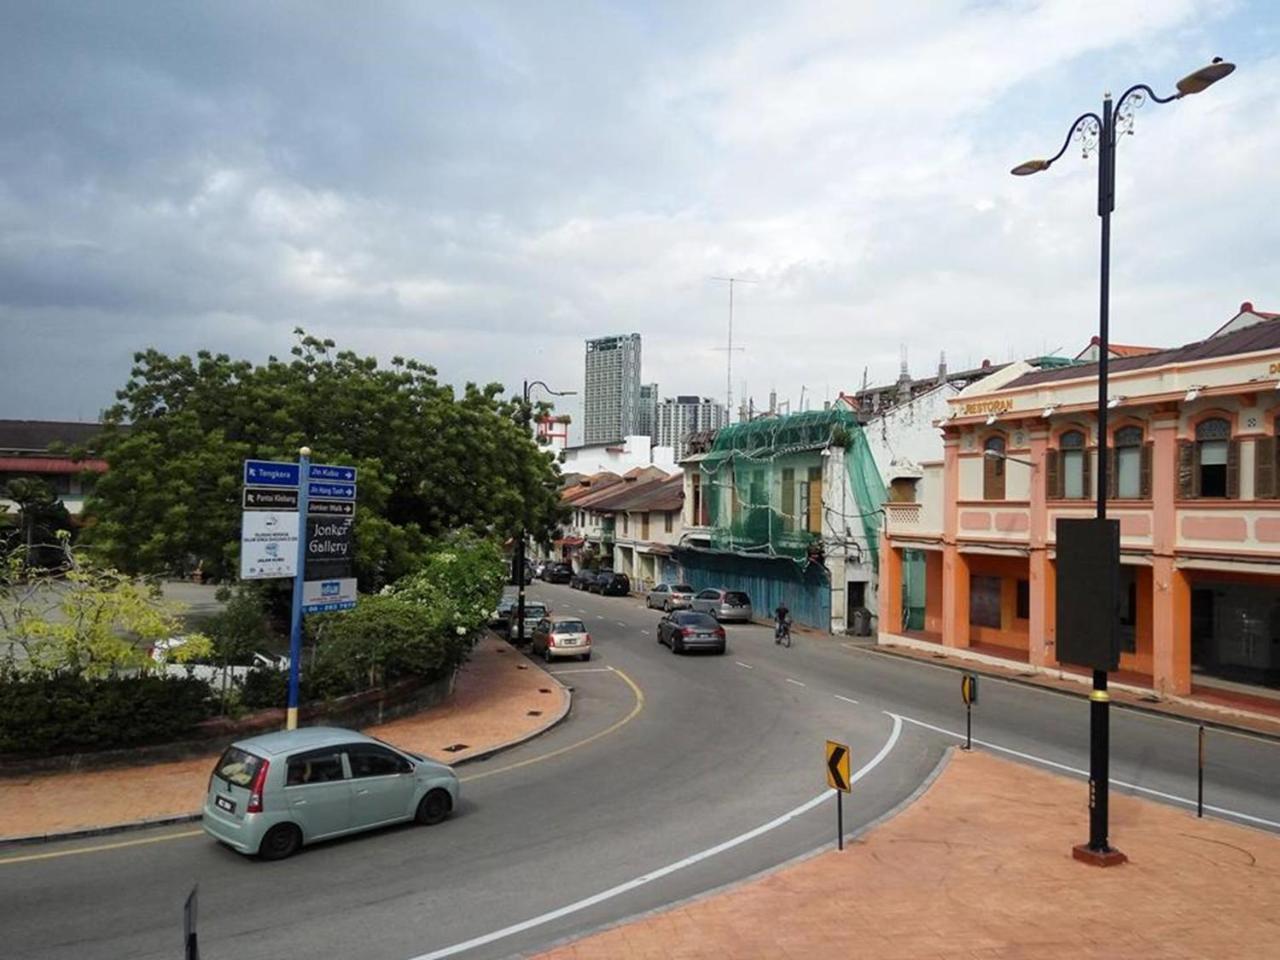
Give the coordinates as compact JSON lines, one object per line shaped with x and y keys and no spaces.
{"x":484,"y":185}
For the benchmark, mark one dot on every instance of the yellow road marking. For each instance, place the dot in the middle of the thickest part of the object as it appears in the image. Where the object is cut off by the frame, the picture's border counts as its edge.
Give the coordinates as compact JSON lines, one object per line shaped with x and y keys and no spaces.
{"x":97,"y":848}
{"x":101,"y":846}
{"x":639,"y":705}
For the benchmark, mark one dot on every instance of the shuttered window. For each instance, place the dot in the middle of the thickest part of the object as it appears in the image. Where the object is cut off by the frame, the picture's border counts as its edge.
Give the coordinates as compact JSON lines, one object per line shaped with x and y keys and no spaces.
{"x":993,"y":469}
{"x":815,"y":500}
{"x":1072,"y":465}
{"x":1213,"y":458}
{"x":788,"y":499}
{"x":1264,"y":468}
{"x":1128,"y":456}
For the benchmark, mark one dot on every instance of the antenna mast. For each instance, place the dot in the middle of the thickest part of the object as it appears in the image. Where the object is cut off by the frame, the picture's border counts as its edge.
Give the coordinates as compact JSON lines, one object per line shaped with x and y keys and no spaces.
{"x":729,"y":350}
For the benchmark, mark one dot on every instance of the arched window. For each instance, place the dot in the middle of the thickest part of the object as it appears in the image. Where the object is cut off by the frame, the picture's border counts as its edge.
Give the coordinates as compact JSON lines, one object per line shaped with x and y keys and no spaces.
{"x":1128,"y":452}
{"x":1213,"y":438}
{"x":993,"y":469}
{"x":1072,"y":452}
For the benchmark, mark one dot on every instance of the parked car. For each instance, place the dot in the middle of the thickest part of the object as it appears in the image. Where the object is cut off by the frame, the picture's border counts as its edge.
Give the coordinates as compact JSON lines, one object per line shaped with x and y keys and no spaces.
{"x":669,"y":596}
{"x":723,"y":604}
{"x":558,"y":573}
{"x":581,"y":579}
{"x":498,"y":618}
{"x":270,"y":795}
{"x":684,"y":630}
{"x":614,"y":585}
{"x":560,"y":637}
{"x":533,"y":612}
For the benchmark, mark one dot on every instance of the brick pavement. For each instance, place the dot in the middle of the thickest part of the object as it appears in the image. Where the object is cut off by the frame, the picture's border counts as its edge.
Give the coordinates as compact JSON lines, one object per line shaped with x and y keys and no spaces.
{"x":490,"y":707}
{"x":980,"y":868}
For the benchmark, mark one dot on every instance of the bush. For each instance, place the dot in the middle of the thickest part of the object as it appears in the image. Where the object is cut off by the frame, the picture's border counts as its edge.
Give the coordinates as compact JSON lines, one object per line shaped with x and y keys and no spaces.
{"x":264,"y":687}
{"x":43,"y":715}
{"x":384,"y":639}
{"x":238,"y":630}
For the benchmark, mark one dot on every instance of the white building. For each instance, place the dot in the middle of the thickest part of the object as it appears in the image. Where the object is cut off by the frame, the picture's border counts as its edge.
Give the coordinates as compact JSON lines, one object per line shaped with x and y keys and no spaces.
{"x":677,"y":418}
{"x":619,"y":457}
{"x":611,"y":394}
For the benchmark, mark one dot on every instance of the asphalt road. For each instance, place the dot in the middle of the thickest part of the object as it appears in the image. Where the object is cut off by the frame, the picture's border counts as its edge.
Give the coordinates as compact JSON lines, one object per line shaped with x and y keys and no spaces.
{"x":673,"y":775}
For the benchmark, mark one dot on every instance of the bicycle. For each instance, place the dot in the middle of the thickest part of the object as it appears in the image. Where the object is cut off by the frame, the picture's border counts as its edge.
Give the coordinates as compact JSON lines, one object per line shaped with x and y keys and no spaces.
{"x":782,"y":633}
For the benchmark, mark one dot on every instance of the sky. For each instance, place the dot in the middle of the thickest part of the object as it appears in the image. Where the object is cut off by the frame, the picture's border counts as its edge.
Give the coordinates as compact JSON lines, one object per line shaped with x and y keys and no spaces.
{"x":483,"y":186}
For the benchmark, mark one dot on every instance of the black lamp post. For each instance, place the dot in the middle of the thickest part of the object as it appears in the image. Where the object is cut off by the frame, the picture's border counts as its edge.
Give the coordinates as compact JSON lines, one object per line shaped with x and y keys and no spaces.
{"x":1094,"y":132}
{"x":517,"y":560}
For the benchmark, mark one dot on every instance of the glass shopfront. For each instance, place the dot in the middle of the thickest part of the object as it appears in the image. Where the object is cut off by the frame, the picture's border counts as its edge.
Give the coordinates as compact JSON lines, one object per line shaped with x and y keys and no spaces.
{"x":1235,"y":631}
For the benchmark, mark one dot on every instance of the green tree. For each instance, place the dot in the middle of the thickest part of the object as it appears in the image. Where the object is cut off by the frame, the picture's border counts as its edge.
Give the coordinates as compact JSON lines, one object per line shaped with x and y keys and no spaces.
{"x":430,"y":461}
{"x":41,"y":514}
{"x":91,"y":621}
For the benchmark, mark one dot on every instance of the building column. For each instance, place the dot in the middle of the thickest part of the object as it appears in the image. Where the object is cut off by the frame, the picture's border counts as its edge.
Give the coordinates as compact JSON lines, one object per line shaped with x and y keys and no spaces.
{"x":1171,"y":629}
{"x":1040,"y":570}
{"x":955,"y":597}
{"x":890,"y":592}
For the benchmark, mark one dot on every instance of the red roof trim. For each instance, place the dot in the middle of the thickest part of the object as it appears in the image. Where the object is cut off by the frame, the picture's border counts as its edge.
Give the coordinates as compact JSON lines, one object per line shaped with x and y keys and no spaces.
{"x":50,"y":465}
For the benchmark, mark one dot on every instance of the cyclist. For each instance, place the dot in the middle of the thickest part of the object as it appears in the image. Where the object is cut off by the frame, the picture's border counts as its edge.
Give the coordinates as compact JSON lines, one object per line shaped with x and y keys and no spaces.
{"x":782,"y":624}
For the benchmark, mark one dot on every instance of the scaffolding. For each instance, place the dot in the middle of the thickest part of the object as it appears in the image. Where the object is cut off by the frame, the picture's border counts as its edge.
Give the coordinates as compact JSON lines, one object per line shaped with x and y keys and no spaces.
{"x":763,"y":484}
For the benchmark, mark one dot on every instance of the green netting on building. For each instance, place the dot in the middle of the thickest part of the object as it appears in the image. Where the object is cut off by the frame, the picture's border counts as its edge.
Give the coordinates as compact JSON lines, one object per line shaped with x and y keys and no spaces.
{"x":769,"y":491}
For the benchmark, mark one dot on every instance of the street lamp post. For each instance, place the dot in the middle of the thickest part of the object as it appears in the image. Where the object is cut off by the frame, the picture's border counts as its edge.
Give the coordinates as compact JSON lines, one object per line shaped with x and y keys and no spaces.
{"x":517,"y":559}
{"x":1099,"y":132}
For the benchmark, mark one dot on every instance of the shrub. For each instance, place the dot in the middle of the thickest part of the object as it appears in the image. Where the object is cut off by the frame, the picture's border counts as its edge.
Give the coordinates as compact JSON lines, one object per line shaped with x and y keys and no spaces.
{"x":63,"y":713}
{"x":384,"y":639}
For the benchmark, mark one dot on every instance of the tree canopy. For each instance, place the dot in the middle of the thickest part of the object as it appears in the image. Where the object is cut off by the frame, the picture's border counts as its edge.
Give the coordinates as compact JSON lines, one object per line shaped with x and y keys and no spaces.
{"x":430,"y":461}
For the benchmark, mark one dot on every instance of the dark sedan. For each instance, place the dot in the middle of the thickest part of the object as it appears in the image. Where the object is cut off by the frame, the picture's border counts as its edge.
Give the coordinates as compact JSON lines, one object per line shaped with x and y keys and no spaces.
{"x":615,"y":585}
{"x":683,"y":630}
{"x":558,"y":573}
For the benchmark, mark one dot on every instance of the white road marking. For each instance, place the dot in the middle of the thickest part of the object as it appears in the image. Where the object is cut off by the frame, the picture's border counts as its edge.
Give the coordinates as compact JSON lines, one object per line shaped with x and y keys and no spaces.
{"x":741,"y":664}
{"x":1085,"y":773}
{"x":796,"y":682}
{"x":621,"y":623}
{"x":557,"y":673}
{"x":845,"y":699}
{"x":661,"y":872}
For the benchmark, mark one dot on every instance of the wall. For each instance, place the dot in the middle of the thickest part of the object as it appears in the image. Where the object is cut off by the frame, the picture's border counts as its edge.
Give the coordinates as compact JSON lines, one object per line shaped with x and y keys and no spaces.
{"x":904,"y":436}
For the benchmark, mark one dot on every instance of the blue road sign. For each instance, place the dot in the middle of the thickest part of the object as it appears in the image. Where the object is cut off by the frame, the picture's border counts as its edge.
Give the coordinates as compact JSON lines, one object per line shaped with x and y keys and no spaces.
{"x":320,"y":471}
{"x":270,"y":473}
{"x":332,"y":491}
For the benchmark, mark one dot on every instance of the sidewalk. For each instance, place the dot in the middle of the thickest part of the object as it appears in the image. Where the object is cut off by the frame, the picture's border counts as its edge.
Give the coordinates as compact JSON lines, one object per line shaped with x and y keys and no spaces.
{"x":501,"y":698}
{"x":1211,"y":706}
{"x":980,"y":867}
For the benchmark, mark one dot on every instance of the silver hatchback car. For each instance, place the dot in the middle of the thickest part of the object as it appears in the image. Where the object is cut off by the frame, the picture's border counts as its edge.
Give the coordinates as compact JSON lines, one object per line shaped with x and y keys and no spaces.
{"x":271,"y":794}
{"x":723,"y":604}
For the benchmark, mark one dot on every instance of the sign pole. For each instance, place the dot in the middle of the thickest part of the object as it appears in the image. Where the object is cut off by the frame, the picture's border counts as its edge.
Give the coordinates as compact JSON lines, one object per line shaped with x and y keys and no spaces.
{"x":1200,"y":774}
{"x":190,"y":911}
{"x":968,"y":726}
{"x":295,"y":627}
{"x":839,"y":819}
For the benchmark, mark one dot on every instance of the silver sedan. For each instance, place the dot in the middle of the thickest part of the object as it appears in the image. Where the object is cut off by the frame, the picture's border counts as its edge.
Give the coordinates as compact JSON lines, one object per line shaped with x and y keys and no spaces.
{"x":669,"y":596}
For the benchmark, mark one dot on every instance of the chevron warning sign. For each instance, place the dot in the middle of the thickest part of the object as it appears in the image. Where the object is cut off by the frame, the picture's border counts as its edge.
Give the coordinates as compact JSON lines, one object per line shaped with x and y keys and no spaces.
{"x":837,"y":766}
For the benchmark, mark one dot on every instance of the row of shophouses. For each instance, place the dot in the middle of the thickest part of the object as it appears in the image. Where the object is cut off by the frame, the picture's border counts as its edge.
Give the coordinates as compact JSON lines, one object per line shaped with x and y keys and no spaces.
{"x":931,"y":521}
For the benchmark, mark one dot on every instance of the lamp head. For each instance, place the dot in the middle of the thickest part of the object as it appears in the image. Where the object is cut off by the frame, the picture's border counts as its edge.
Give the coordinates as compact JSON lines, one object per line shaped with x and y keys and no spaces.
{"x":1192,"y":394}
{"x":1205,"y":77}
{"x":991,"y":420}
{"x":1114,"y":402}
{"x":1030,"y":167}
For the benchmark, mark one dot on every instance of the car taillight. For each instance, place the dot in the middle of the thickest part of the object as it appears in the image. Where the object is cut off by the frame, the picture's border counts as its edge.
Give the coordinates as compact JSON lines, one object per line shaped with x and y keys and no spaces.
{"x":256,"y":788}
{"x":720,"y":632}
{"x":588,"y":639}
{"x":686,"y":631}
{"x":551,"y":639}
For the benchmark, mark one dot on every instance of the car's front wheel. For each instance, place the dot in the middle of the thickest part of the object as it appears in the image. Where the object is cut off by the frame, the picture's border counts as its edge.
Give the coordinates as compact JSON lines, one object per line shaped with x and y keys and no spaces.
{"x":281,"y":841}
{"x":434,"y":807}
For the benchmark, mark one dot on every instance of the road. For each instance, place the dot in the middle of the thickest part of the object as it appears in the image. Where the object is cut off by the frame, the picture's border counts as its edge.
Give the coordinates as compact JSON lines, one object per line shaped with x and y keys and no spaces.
{"x":673,"y":775}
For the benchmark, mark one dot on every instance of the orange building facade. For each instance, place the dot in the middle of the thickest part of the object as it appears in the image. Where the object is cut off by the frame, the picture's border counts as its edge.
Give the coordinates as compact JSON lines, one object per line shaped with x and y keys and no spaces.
{"x":1193,"y":479}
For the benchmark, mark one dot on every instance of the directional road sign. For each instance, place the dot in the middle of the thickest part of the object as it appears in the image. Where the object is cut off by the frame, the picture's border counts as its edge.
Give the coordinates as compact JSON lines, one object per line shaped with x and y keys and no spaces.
{"x":320,"y":471}
{"x":969,"y":689}
{"x":271,"y":498}
{"x":331,"y":508}
{"x":270,"y":473}
{"x":331,"y":491}
{"x":837,"y":766}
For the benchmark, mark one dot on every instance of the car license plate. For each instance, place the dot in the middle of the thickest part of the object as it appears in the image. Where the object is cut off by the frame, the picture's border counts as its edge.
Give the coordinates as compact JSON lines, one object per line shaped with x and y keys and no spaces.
{"x":225,"y":803}
{"x":569,"y":642}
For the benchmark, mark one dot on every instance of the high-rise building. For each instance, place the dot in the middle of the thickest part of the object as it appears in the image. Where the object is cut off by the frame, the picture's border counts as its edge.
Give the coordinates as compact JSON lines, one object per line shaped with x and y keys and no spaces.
{"x":611,"y":395}
{"x":680,"y":417}
{"x":647,"y":418}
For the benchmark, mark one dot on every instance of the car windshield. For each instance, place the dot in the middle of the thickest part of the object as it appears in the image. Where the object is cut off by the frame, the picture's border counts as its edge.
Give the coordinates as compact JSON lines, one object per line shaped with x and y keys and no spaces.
{"x":741,"y":599}
{"x":237,"y":767}
{"x":534,"y":611}
{"x":569,"y":626}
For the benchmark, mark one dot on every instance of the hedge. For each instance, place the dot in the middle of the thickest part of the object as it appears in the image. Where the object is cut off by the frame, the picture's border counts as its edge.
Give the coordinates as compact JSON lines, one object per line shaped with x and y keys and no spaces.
{"x":68,"y":714}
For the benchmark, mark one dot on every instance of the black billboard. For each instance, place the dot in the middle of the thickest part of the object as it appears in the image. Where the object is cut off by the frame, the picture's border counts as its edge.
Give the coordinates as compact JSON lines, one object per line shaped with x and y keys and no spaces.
{"x":1088,"y":593}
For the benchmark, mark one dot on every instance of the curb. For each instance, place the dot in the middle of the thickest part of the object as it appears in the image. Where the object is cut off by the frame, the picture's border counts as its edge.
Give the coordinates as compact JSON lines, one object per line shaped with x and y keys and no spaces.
{"x":133,"y":825}
{"x":732,"y":885}
{"x":1082,"y":694}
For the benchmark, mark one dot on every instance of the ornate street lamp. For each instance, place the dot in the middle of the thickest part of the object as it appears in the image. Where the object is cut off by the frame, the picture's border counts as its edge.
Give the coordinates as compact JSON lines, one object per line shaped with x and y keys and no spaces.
{"x":1099,"y":133}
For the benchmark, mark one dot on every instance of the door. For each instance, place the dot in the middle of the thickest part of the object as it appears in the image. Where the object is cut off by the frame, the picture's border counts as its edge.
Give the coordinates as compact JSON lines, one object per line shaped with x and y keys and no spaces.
{"x":705,"y":602}
{"x":382,"y":785}
{"x":318,"y":793}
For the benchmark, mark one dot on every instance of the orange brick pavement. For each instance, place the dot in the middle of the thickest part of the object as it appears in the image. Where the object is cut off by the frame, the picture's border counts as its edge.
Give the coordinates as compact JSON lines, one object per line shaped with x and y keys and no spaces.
{"x":490,"y":707}
{"x":980,"y":868}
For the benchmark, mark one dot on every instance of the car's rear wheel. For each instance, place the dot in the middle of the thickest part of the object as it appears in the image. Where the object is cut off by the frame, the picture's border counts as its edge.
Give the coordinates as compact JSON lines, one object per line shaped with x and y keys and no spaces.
{"x":676,"y":645}
{"x":586,"y":656}
{"x":281,"y":841}
{"x":434,"y":807}
{"x":546,"y":655}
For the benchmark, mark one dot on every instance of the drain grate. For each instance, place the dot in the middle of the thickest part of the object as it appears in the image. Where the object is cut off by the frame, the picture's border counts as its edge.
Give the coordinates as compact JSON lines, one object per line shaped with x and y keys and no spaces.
{"x":455,"y":748}
{"x":544,"y":690}
{"x":522,"y":666}
{"x":534,"y":713}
